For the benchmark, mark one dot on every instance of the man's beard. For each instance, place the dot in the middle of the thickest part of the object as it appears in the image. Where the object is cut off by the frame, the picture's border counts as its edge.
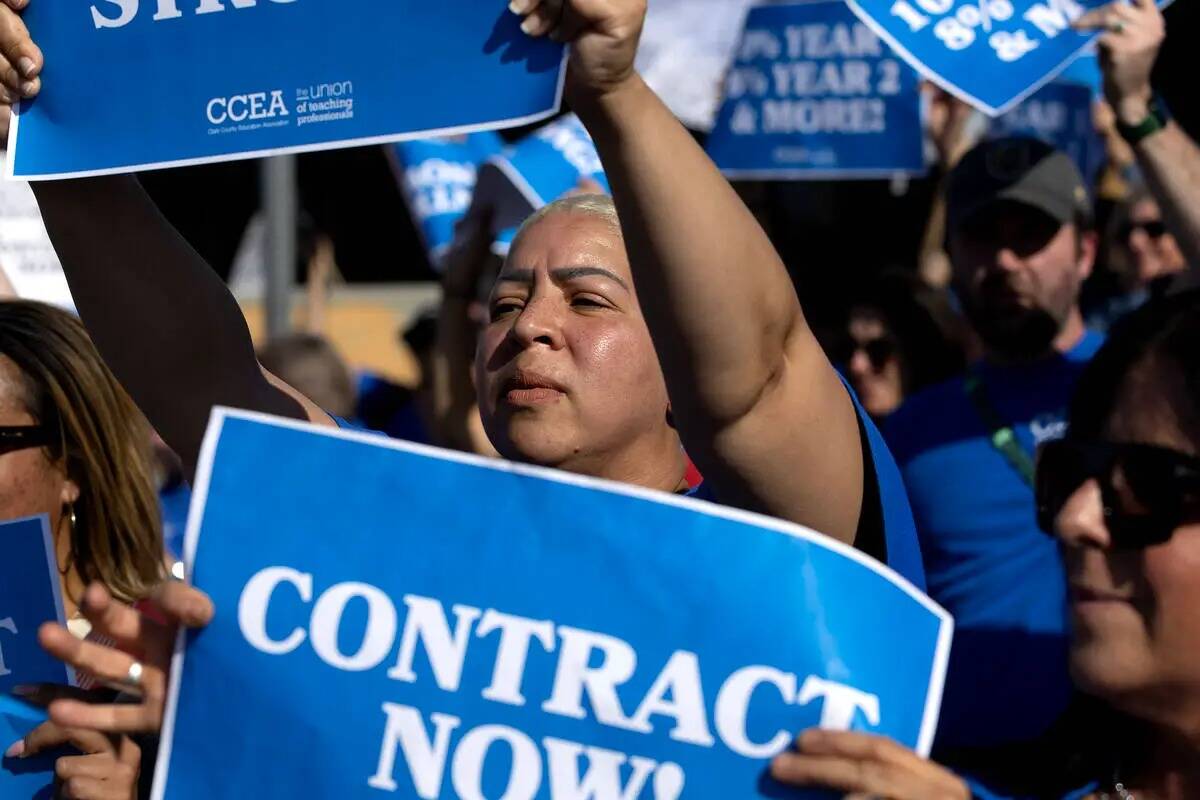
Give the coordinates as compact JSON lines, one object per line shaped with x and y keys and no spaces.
{"x":1016,"y":334}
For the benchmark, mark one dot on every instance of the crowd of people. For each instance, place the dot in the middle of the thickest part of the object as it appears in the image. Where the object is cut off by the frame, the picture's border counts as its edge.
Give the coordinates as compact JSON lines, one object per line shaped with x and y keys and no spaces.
{"x":1027,"y":455}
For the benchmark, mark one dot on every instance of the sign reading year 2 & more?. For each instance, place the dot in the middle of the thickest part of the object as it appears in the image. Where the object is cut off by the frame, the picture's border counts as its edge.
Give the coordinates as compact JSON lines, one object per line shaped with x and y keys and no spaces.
{"x":990,"y":53}
{"x":813,"y":93}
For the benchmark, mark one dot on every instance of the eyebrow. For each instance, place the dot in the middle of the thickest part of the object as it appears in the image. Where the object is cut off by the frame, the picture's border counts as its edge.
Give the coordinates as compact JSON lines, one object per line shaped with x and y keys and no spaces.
{"x":562,"y":275}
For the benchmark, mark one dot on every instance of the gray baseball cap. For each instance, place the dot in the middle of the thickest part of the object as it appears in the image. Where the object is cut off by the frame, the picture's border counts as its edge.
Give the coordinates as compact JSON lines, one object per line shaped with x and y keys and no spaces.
{"x":1020,"y":170}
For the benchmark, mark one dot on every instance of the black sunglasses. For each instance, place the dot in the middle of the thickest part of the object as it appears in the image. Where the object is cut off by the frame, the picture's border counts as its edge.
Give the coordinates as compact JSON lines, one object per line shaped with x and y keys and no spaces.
{"x":21,"y":437}
{"x":1164,"y":484}
{"x":1154,"y":228}
{"x":879,"y":351}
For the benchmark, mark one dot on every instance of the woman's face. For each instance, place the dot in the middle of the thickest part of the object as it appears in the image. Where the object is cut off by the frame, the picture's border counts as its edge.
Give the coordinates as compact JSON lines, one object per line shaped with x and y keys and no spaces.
{"x":1135,"y":613}
{"x":566,"y":371}
{"x":873,"y":365}
{"x":1155,"y":252}
{"x":29,"y":482}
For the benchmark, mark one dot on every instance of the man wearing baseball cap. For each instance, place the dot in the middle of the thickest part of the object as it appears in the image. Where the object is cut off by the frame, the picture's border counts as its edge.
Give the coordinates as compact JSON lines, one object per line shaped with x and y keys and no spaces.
{"x":1020,"y":242}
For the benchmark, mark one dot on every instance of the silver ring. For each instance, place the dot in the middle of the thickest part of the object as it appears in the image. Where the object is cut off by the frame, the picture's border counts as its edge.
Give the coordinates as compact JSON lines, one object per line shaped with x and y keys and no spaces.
{"x":1116,"y":26}
{"x":133,"y":679}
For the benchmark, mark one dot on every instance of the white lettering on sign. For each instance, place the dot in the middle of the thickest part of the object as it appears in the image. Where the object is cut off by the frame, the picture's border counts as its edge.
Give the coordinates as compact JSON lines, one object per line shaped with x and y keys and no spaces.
{"x":961,"y":24}
{"x":1054,"y":16}
{"x":126,"y":10}
{"x":831,"y":41}
{"x":241,"y":107}
{"x":406,"y":732}
{"x":590,"y":670}
{"x":6,"y":624}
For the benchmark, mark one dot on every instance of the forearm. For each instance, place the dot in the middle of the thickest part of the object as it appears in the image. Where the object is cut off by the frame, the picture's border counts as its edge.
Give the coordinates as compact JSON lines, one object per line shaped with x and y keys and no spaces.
{"x":1170,"y":161}
{"x":718,"y":300}
{"x":162,"y":319}
{"x":453,"y":391}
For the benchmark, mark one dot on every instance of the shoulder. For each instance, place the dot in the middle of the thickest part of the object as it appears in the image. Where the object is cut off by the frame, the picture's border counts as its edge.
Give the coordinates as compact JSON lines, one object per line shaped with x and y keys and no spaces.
{"x":937,"y":411}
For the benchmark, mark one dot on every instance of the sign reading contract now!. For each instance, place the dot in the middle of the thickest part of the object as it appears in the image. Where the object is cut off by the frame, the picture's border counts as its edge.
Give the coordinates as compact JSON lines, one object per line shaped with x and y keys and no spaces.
{"x":398,"y":621}
{"x":143,"y":84}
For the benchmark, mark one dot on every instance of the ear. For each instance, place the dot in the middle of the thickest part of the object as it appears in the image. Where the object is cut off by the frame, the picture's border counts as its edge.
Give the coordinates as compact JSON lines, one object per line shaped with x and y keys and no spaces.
{"x":1089,"y":243}
{"x":70,"y":492}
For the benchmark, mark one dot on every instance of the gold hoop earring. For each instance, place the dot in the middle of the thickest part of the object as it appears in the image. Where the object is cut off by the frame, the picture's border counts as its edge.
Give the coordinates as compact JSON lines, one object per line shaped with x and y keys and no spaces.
{"x":72,"y":521}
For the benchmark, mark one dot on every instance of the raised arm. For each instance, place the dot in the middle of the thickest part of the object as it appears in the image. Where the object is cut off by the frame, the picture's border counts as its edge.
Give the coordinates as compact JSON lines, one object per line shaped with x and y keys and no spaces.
{"x":1169,"y":159}
{"x":160,"y":316}
{"x":759,"y":407}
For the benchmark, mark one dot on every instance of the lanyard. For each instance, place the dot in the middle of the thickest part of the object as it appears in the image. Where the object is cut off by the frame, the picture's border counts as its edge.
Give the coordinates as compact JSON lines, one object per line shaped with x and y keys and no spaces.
{"x":1000,"y":433}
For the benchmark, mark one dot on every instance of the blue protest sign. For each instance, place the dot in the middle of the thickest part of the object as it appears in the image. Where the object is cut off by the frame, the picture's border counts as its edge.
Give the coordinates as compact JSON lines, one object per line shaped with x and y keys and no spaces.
{"x":139,"y":86}
{"x":551,"y":161}
{"x":23,"y":778}
{"x":430,"y":624}
{"x":1061,"y":114}
{"x":437,"y":177}
{"x":990,"y":53}
{"x":30,"y":594}
{"x":1085,"y":70}
{"x":813,"y":93}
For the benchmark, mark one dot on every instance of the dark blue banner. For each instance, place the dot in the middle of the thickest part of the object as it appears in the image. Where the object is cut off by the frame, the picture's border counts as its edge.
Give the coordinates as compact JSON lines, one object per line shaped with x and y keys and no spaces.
{"x":1059,"y":113}
{"x":398,"y":621}
{"x":814,"y":94}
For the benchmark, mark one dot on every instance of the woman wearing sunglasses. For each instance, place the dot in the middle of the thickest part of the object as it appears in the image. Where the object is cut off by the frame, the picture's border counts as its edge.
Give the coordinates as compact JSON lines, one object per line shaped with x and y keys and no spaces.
{"x":74,"y":447}
{"x":901,"y":336}
{"x":1144,"y":258}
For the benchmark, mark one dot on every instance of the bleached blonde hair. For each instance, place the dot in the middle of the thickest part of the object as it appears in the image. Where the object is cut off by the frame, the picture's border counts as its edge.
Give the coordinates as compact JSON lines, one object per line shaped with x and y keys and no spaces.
{"x":597,"y":206}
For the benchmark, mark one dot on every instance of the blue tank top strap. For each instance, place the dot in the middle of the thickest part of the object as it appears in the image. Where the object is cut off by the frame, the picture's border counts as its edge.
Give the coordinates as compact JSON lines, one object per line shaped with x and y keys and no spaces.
{"x":894,"y":512}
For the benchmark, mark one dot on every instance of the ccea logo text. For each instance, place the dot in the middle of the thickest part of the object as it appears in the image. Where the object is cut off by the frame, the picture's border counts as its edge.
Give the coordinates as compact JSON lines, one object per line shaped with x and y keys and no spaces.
{"x":253,"y":107}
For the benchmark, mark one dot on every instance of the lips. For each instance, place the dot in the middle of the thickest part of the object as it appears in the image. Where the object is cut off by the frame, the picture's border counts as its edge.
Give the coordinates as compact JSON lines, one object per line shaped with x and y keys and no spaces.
{"x":527,"y":388}
{"x":1085,"y":594}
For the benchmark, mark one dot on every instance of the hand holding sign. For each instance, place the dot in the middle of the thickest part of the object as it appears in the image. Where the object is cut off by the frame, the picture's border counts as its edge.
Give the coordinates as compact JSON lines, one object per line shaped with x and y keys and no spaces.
{"x":137,"y":636}
{"x":1135,"y":32}
{"x":603,"y":35}
{"x":107,"y":769}
{"x":20,"y":59}
{"x":874,"y":766}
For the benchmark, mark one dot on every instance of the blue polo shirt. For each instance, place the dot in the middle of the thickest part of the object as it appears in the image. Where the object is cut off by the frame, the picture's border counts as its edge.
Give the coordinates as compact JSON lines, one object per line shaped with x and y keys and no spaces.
{"x":986,"y":561}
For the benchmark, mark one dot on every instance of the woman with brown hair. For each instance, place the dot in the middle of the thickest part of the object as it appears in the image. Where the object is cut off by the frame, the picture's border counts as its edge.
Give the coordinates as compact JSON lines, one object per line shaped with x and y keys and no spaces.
{"x":74,"y":447}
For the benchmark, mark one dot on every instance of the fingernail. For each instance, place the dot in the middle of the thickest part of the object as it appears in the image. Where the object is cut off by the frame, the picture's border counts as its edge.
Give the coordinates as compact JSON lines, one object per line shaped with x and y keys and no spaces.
{"x":517,"y":6}
{"x":529,"y":25}
{"x":16,"y":749}
{"x":29,"y":88}
{"x":26,"y":66}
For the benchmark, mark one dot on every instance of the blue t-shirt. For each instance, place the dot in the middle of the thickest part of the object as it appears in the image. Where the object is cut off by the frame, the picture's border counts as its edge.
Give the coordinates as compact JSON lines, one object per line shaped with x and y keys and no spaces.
{"x":986,"y":561}
{"x":884,"y":503}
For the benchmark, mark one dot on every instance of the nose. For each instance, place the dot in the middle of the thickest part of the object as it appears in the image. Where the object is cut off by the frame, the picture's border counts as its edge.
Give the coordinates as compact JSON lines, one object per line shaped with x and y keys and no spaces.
{"x":860,"y":365}
{"x":1080,"y":522}
{"x":1007,"y":260}
{"x":540,"y":323}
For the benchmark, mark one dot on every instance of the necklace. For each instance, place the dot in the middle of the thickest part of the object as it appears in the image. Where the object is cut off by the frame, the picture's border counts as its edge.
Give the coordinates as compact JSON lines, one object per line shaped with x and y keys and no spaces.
{"x":1119,"y":792}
